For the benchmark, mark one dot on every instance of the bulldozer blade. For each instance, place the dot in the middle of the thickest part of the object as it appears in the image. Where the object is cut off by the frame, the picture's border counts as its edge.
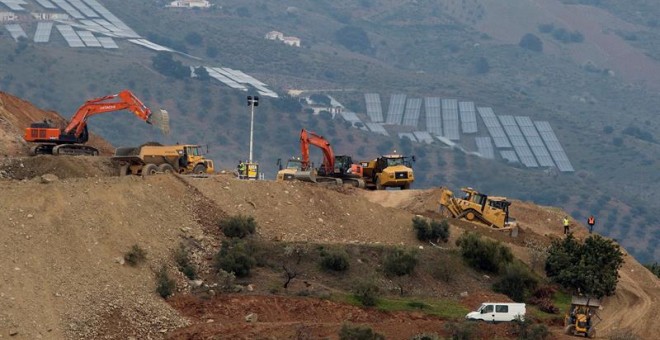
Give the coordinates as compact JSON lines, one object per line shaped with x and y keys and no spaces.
{"x":161,"y":119}
{"x":305,"y":176}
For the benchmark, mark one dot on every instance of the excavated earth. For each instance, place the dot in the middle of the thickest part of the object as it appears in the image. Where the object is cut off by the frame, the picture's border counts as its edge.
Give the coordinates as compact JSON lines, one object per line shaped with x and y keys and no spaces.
{"x":66,"y":223}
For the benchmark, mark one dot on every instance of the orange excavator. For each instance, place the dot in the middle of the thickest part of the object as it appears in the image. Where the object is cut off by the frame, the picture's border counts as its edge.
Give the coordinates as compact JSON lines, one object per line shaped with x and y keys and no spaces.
{"x":339,"y":169}
{"x":70,"y":140}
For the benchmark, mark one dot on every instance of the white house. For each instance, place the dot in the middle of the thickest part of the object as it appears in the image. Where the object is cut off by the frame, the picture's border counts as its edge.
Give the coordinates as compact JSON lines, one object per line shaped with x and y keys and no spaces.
{"x":50,"y":16}
{"x":274,"y":35}
{"x":7,"y":16}
{"x":190,"y":4}
{"x":292,"y":41}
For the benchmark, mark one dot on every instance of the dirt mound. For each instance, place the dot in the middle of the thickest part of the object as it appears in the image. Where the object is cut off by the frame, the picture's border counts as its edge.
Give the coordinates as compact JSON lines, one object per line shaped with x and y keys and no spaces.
{"x":60,"y":166}
{"x":17,"y":114}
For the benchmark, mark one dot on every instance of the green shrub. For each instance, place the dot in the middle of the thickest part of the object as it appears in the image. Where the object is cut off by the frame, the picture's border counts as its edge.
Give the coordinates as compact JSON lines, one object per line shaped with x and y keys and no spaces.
{"x":484,"y":254}
{"x":135,"y":255}
{"x":238,"y":226}
{"x":350,"y":332}
{"x":183,"y":262}
{"x":164,"y":284}
{"x":400,"y":262}
{"x":517,"y":282}
{"x":461,"y":330}
{"x":367,"y":293}
{"x":235,"y":257}
{"x":434,"y":231}
{"x":526,"y":330}
{"x":335,"y":261}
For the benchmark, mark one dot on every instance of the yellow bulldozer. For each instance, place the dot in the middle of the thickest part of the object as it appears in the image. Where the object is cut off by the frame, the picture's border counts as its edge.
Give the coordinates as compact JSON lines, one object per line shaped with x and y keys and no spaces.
{"x":580,"y":318}
{"x":492,"y":211}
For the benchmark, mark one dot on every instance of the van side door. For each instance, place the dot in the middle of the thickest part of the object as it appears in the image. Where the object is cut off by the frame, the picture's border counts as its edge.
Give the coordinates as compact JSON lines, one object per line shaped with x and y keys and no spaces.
{"x":502,"y":313}
{"x":488,"y":313}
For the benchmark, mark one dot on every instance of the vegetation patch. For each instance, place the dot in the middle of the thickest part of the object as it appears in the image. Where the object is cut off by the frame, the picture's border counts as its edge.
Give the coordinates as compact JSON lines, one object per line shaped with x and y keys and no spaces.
{"x":235,"y":257}
{"x":434,"y":231}
{"x":238,"y":226}
{"x":484,"y":254}
{"x":184,"y":263}
{"x":517,"y":282}
{"x":352,"y":332}
{"x":334,"y":261}
{"x":135,"y":255}
{"x":164,"y":284}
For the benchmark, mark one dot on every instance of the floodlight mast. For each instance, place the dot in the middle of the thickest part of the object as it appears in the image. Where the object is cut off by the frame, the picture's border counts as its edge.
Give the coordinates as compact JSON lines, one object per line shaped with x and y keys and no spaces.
{"x":252,"y":102}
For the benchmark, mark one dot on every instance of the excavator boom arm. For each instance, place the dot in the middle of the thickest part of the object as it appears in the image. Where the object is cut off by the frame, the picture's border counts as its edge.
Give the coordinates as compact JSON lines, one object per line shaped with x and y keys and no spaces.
{"x":124,"y":100}
{"x":307,"y":138}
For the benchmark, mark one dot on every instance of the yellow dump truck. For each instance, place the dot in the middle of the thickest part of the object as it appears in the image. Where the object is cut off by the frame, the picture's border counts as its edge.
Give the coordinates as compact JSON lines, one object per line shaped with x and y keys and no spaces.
{"x":150,"y":159}
{"x":388,"y":171}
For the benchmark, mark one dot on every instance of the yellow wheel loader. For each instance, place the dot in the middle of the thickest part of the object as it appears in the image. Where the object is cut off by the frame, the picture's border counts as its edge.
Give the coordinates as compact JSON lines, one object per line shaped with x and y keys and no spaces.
{"x":474,"y":206}
{"x":580,"y":319}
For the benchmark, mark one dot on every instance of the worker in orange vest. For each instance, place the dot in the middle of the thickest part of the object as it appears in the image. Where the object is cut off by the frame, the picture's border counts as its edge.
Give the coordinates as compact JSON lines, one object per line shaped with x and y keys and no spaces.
{"x":591,"y":221}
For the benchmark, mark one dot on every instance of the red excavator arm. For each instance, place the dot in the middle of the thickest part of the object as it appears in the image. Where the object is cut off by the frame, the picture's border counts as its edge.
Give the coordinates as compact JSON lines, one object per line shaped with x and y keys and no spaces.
{"x":69,"y":139}
{"x":307,"y":138}
{"x":127,"y":101}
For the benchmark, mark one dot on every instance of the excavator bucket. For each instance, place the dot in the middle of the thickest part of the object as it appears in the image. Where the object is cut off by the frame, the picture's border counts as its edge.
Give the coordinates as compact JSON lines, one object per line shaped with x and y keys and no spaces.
{"x":161,"y":119}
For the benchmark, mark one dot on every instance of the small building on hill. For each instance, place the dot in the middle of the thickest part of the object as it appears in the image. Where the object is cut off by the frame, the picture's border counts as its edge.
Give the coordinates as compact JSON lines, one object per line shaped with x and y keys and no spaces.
{"x":274,"y":35}
{"x":292,"y":41}
{"x":7,"y":17}
{"x":190,"y":4}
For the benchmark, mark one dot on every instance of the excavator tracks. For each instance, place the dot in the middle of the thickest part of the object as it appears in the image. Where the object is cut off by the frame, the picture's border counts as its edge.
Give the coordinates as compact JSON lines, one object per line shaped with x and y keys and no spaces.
{"x":75,"y":150}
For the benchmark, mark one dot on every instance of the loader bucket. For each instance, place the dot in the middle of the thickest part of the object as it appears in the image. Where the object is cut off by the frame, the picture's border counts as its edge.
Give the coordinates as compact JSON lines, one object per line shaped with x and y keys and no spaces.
{"x":305,"y":176}
{"x":161,"y":119}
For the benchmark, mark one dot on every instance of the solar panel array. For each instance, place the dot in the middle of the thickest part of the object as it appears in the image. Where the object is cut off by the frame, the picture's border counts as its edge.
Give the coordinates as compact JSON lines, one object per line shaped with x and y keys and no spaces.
{"x":89,"y":39}
{"x":450,"y":119}
{"x":107,"y":42}
{"x":43,"y":32}
{"x":148,"y":44}
{"x":413,"y":109}
{"x":433,"y":110}
{"x":377,"y":128}
{"x":84,"y":9}
{"x":219,"y":74}
{"x":535,"y":141}
{"x":70,"y":10}
{"x":468,"y":117}
{"x":395,"y":110}
{"x":423,"y":137}
{"x":118,"y":27}
{"x":46,"y":4}
{"x":556,"y":150}
{"x":408,"y":135}
{"x":518,"y":140}
{"x":16,"y":31}
{"x":509,"y":155}
{"x":70,"y":36}
{"x":243,"y":78}
{"x":374,"y":108}
{"x":353,"y":119}
{"x":485,"y":147}
{"x":494,"y":128}
{"x":14,"y":5}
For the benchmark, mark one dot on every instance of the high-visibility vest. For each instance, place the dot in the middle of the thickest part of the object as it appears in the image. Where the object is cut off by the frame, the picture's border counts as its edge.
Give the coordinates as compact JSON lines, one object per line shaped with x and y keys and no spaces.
{"x":566,"y":222}
{"x":591,"y":220}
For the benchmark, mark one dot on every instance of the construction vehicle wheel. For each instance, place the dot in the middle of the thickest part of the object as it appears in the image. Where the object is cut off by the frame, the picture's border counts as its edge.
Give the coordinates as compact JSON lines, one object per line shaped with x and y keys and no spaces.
{"x":149,"y":169}
{"x":569,"y":329}
{"x":378,"y":185}
{"x":591,"y":333}
{"x":123,"y":170}
{"x":199,"y":169}
{"x":405,"y":186}
{"x":470,"y":216}
{"x":166,"y":168}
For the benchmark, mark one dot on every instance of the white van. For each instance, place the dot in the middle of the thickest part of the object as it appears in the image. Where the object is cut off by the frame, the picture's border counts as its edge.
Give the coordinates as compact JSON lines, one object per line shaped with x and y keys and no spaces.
{"x":498,"y":311}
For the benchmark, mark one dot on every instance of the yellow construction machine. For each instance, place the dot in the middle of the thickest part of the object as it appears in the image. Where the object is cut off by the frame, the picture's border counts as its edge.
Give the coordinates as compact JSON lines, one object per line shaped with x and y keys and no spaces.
{"x":152,"y":158}
{"x":490,"y":210}
{"x":388,"y":171}
{"x":580,"y":319}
